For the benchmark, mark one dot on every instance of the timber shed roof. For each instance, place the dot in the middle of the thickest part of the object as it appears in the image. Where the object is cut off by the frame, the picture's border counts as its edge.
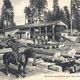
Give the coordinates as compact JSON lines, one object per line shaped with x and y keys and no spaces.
{"x":42,"y":24}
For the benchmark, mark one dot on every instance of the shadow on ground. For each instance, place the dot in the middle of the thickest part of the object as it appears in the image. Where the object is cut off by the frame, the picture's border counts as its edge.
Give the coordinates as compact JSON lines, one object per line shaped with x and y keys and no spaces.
{"x":11,"y":71}
{"x":30,"y":70}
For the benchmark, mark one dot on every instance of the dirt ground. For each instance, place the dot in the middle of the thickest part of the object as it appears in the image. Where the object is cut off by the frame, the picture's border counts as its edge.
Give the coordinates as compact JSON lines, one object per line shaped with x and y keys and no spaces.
{"x":35,"y":73}
{"x":31,"y":71}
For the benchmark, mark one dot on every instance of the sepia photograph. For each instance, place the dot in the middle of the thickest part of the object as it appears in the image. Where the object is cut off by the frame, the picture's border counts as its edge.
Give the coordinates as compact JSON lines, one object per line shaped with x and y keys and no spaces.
{"x":39,"y":39}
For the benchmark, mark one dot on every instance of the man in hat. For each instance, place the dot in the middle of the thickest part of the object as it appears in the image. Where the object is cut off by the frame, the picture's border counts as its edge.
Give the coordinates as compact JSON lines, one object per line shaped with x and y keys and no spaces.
{"x":15,"y":48}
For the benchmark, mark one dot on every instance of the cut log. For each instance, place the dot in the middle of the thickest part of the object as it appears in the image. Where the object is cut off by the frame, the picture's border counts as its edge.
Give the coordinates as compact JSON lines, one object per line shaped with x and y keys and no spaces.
{"x":49,"y":58}
{"x":30,"y":61}
{"x":66,"y":55}
{"x":43,"y":65}
{"x":77,"y":67}
{"x":43,"y":45}
{"x":5,"y":50}
{"x":72,"y":69}
{"x":77,"y":62}
{"x":39,"y":61}
{"x":45,"y":57}
{"x":55,"y":68}
{"x":52,"y":52}
{"x":45,"y":51}
{"x":77,"y":56}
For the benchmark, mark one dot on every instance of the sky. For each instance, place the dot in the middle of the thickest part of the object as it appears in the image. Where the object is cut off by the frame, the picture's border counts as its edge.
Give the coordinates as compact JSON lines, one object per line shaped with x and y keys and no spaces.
{"x":19,"y":5}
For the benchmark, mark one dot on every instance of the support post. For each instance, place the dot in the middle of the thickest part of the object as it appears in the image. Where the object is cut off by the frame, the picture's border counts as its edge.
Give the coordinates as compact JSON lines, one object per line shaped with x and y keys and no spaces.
{"x":34,"y":36}
{"x":40,"y":31}
{"x":46,"y":32}
{"x":53,"y":34}
{"x":46,"y":37}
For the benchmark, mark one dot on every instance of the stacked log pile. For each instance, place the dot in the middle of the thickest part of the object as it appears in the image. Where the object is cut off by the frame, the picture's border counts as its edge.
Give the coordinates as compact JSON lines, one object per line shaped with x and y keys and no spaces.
{"x":64,"y":57}
{"x":48,"y":56}
{"x":52,"y":55}
{"x":40,"y":63}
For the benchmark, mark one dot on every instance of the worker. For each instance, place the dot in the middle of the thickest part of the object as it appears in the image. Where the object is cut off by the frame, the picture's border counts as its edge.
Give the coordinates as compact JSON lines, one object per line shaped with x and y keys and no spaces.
{"x":72,"y":52}
{"x":15,"y":48}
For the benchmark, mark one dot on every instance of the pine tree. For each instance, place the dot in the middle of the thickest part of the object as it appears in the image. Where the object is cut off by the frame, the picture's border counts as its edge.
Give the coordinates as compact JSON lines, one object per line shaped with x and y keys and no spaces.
{"x":28,"y":15}
{"x":75,"y":14}
{"x":62,"y":16}
{"x":50,"y":16}
{"x":38,"y":13}
{"x":7,"y":15}
{"x":67,"y":16}
{"x":56,"y":10}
